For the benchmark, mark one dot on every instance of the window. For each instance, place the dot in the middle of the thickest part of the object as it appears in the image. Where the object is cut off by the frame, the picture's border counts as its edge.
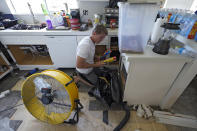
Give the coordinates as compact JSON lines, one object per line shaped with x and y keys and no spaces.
{"x":57,"y":5}
{"x":194,"y":6}
{"x":21,"y":7}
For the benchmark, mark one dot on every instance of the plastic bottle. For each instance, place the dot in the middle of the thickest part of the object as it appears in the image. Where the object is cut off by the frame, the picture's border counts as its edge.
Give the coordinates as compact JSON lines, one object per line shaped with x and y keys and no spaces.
{"x":54,"y":20}
{"x":184,"y":23}
{"x":68,"y":19}
{"x":191,"y":27}
{"x":112,"y":59}
{"x":44,"y":10}
{"x":60,"y":20}
{"x":164,"y":13}
{"x":195,"y":38}
{"x":174,"y":15}
{"x":179,"y":17}
{"x":169,"y":14}
{"x":48,"y":21}
{"x":184,"y":52}
{"x":65,"y":21}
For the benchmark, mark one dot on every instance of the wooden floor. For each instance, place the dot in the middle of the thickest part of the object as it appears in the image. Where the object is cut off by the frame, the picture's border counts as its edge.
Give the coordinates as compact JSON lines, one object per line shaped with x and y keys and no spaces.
{"x":88,"y":120}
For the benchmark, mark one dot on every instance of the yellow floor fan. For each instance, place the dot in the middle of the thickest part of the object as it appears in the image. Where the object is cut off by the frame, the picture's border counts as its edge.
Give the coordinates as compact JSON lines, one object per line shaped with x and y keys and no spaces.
{"x":51,"y":96}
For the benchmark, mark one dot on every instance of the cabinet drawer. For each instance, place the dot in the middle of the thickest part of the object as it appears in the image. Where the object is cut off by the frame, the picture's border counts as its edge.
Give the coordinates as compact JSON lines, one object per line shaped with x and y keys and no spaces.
{"x":23,"y":40}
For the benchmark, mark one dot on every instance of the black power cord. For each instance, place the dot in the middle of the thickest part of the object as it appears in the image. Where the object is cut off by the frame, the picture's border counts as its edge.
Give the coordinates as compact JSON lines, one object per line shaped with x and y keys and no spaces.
{"x":126,"y":117}
{"x":11,"y":108}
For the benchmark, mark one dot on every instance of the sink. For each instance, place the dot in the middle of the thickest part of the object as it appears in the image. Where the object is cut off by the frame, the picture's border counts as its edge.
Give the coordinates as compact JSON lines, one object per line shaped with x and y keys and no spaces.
{"x":26,"y":27}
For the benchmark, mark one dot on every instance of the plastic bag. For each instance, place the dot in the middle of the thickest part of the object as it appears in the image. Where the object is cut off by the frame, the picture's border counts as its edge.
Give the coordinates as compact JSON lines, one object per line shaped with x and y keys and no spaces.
{"x":135,"y":25}
{"x":41,"y":83}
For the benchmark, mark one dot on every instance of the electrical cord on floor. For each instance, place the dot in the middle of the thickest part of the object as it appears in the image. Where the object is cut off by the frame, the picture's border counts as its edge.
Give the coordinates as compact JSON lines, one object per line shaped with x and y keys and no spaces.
{"x":19,"y":104}
{"x":11,"y":108}
{"x":126,"y":117}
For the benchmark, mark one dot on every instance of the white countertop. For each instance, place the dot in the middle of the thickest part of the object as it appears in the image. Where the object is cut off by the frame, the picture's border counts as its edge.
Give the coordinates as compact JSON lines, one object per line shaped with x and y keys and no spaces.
{"x":149,"y":54}
{"x":45,"y":32}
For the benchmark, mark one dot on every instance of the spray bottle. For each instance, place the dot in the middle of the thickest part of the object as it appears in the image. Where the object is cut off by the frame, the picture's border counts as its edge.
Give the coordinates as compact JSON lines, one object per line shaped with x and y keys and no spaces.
{"x":109,"y":60}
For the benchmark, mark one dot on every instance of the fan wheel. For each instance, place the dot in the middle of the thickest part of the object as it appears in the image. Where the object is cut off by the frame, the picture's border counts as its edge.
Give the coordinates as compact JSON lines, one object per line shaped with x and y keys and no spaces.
{"x":52,"y":102}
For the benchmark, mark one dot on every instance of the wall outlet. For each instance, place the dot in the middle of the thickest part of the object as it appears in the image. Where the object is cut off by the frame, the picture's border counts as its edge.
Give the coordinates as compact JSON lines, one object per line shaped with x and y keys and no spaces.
{"x":85,"y":12}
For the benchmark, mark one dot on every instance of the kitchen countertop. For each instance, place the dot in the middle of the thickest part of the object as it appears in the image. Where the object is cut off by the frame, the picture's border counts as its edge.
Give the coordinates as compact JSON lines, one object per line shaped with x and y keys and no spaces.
{"x":149,"y":54}
{"x":44,"y":32}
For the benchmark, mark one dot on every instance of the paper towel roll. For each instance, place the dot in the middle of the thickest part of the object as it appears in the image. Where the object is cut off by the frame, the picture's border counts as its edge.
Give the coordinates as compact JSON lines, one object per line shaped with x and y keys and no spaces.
{"x":157,"y":31}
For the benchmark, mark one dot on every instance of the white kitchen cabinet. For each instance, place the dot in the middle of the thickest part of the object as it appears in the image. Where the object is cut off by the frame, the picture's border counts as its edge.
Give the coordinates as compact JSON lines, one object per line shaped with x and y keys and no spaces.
{"x":62,"y":50}
{"x":149,"y":76}
{"x":16,"y":46}
{"x":185,"y":77}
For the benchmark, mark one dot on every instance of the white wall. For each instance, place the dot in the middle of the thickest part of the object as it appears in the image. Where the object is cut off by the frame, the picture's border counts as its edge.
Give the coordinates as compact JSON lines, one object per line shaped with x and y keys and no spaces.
{"x":3,"y":7}
{"x":96,"y":7}
{"x":92,"y":7}
{"x":180,"y":4}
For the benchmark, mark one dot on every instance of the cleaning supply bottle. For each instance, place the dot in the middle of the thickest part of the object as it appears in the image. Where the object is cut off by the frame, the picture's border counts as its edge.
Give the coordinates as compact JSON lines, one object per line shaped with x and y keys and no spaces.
{"x":192,"y":28}
{"x":64,"y":19}
{"x":68,"y":19}
{"x":54,"y":20}
{"x":48,"y":21}
{"x":105,"y":54}
{"x":109,"y":60}
{"x":60,"y":20}
{"x":44,"y":10}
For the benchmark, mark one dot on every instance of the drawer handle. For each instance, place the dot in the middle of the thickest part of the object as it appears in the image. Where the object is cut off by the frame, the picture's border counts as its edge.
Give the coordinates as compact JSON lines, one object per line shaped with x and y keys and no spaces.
{"x":51,"y":37}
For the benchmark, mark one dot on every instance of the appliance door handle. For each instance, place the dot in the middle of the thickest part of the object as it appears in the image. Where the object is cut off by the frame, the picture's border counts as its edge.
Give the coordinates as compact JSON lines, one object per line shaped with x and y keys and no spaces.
{"x":51,"y":37}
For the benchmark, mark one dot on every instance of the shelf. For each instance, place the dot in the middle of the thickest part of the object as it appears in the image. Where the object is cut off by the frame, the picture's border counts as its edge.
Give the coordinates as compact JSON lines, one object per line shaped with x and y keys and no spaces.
{"x":186,"y":41}
{"x":37,"y":60}
{"x":2,"y":74}
{"x":23,"y":58}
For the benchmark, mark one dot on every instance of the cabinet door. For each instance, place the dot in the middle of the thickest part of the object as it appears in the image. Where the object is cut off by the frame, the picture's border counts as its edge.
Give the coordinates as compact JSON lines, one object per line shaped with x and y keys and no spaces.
{"x":62,"y":50}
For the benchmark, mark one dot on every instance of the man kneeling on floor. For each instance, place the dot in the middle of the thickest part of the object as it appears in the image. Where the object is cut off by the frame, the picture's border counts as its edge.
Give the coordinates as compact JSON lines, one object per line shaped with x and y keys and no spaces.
{"x":85,"y":64}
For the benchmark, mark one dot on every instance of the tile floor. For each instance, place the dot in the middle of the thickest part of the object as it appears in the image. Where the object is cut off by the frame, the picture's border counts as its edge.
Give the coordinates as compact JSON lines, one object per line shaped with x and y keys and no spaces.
{"x":92,"y":120}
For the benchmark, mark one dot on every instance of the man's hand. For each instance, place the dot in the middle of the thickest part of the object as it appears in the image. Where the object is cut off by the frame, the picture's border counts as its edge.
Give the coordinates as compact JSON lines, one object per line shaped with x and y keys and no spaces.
{"x":99,"y":64}
{"x":81,"y":63}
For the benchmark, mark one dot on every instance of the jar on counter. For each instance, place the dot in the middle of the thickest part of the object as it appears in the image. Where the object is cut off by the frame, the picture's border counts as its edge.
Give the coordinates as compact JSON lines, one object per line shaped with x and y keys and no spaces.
{"x":113,"y":23}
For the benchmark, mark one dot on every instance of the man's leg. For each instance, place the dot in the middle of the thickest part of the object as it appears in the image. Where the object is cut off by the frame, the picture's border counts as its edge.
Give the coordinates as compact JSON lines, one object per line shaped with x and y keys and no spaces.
{"x":92,"y":77}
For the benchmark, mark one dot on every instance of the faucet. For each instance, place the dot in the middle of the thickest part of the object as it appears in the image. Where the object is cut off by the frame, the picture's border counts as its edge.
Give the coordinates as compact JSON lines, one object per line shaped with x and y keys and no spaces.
{"x":35,"y":21}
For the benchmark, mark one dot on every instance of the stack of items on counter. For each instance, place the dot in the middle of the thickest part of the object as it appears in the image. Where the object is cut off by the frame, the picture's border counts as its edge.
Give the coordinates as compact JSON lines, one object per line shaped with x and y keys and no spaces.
{"x":75,"y":19}
{"x":62,"y":19}
{"x":186,"y":19}
{"x":187,"y":22}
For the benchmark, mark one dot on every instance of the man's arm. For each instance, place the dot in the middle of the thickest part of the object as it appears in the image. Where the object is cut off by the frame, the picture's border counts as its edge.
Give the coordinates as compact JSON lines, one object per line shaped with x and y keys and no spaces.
{"x":81,"y":63}
{"x":96,"y":58}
